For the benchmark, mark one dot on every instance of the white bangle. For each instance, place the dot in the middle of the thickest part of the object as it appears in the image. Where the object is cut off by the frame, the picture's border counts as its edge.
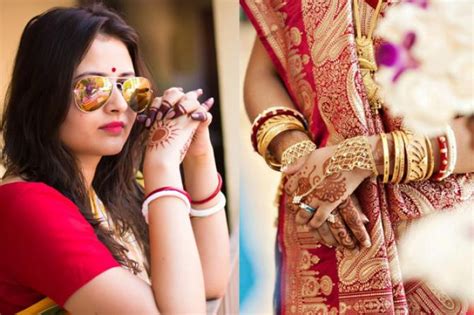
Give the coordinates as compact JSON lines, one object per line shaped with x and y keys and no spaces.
{"x":210,"y":211}
{"x":165,"y":193}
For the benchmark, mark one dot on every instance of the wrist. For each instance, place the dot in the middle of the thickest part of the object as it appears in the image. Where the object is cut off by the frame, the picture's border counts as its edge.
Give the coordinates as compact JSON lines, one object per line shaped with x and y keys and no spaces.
{"x":284,"y":140}
{"x":160,"y":176}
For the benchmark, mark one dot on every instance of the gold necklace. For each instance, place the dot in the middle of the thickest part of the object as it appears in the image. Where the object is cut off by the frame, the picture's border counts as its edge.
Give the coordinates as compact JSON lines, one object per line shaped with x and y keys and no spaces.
{"x":366,"y":56}
{"x":92,"y":200}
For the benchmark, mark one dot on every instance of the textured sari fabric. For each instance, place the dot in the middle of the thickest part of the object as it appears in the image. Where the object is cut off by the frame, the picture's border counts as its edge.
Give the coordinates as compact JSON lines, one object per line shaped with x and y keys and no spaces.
{"x":311,"y":43}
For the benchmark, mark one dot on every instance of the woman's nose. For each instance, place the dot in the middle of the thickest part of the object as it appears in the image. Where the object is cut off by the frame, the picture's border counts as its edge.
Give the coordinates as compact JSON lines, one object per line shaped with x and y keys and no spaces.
{"x":117,"y":102}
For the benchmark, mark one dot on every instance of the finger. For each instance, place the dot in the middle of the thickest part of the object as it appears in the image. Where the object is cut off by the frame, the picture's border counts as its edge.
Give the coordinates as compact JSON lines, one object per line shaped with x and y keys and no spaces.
{"x":320,"y":216}
{"x":304,"y":215}
{"x":353,"y":220}
{"x":341,"y":232}
{"x":152,"y":111}
{"x":208,"y":103}
{"x":170,"y":98}
{"x":202,"y":116}
{"x":326,"y":235}
{"x":188,"y":103}
{"x":316,"y":236}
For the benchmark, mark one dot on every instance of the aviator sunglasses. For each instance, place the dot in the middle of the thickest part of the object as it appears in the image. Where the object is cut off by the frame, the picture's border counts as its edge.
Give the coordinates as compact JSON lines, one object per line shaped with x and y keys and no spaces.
{"x":93,"y":92}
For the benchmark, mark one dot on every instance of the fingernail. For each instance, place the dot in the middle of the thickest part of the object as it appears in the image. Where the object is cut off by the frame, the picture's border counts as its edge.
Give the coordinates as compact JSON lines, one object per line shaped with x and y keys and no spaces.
{"x":180,"y":89}
{"x":170,"y":114}
{"x":209,"y":103}
{"x":199,"y":91}
{"x":367,"y":244}
{"x":147,"y":122}
{"x":199,"y":116}
{"x":141,"y":118}
{"x":152,"y":115}
{"x":159,"y":116}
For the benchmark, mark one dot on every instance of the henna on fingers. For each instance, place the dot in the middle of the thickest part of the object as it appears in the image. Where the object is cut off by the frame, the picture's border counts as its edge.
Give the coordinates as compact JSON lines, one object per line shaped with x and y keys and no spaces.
{"x":353,"y":219}
{"x":341,"y":232}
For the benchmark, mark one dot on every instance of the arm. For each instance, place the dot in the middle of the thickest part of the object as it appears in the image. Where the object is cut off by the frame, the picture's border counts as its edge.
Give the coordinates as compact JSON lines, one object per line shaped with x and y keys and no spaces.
{"x":262,"y":76}
{"x":211,"y":232}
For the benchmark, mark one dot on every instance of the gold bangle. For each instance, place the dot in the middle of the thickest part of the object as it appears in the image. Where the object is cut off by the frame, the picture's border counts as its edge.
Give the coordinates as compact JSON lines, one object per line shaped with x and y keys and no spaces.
{"x":430,"y":158}
{"x":386,"y":158}
{"x":396,"y":159}
{"x":271,"y":123}
{"x":403,"y":143}
{"x":268,"y":138}
{"x":274,"y":131}
{"x":297,"y":151}
{"x":417,"y":158}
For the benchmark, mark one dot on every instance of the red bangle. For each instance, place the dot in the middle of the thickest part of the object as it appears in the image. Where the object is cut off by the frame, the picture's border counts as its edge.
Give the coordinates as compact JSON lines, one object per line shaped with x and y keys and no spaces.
{"x":443,"y":162}
{"x":218,"y":189}
{"x":169,"y":188}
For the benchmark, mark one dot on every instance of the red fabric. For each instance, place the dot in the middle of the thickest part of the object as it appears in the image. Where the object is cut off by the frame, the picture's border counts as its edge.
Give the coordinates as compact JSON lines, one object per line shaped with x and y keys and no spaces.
{"x":47,"y":247}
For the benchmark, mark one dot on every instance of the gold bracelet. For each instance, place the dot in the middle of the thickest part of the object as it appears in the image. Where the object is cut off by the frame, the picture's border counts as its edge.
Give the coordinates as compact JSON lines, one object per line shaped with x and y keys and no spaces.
{"x":403,"y":140}
{"x":417,"y":158}
{"x":297,"y":151}
{"x":396,"y":158}
{"x":431,"y":161}
{"x":352,"y":153}
{"x":386,"y":158}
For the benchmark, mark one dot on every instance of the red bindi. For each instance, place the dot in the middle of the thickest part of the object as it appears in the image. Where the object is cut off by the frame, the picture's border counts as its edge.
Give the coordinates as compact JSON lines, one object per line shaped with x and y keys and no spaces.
{"x":113,"y":69}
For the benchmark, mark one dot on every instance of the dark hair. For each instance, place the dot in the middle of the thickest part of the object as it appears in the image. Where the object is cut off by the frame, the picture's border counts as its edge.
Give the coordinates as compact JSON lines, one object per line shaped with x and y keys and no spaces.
{"x":51,"y":47}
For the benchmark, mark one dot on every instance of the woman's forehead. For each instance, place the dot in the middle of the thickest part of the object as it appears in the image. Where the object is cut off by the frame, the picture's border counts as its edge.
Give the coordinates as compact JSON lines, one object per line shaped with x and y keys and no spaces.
{"x":106,"y":54}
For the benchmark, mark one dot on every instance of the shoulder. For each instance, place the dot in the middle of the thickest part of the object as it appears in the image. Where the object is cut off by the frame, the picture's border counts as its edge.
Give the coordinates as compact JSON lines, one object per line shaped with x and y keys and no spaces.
{"x":26,"y":204}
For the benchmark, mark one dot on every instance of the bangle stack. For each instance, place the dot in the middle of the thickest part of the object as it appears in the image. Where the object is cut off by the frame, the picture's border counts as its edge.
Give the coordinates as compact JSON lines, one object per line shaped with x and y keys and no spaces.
{"x":269,"y":124}
{"x":186,"y":198}
{"x":414,"y":157}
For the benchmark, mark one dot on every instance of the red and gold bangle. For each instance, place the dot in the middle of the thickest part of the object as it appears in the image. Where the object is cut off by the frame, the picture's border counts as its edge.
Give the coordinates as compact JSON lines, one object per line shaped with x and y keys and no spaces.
{"x":185,"y":193}
{"x":443,"y":161}
{"x":211,"y":196}
{"x":269,"y":113}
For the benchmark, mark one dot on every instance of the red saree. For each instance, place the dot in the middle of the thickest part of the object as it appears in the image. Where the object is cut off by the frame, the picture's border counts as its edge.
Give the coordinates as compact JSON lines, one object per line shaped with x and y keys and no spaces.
{"x":311,"y":43}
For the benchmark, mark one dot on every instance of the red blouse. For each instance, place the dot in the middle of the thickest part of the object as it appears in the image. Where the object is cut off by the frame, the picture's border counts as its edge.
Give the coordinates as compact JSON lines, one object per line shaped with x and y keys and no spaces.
{"x":47,"y":248}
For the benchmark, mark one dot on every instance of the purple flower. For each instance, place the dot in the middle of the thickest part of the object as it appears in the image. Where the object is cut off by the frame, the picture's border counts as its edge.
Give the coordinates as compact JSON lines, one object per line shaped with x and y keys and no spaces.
{"x":399,"y":57}
{"x":421,"y":3}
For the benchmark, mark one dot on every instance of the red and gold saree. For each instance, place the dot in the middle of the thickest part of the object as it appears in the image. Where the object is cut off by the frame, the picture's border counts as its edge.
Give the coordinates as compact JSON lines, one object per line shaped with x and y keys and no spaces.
{"x":311,"y":43}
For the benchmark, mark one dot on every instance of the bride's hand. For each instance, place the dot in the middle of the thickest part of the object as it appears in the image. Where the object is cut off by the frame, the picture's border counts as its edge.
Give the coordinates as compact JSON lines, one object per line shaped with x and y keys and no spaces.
{"x":326,"y":194}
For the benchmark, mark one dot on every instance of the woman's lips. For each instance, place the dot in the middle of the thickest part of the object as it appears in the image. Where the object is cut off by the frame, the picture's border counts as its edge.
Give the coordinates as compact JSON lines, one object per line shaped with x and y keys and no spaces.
{"x":115,"y":127}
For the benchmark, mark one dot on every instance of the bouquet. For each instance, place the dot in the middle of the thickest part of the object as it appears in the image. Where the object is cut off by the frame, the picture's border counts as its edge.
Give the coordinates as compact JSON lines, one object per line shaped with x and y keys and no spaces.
{"x":427,"y":62}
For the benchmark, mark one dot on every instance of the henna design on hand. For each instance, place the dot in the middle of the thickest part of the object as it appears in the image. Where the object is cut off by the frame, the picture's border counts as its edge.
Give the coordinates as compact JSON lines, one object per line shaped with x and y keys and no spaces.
{"x":162,"y":133}
{"x":186,"y":146}
{"x":331,"y":189}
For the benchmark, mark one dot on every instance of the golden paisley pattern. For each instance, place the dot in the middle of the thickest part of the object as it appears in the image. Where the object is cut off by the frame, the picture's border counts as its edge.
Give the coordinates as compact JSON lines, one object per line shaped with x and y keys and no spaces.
{"x":312,"y":45}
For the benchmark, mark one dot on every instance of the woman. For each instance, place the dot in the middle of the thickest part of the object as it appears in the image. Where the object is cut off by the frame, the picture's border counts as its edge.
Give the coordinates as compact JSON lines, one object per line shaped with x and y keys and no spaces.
{"x":71,"y":220}
{"x":331,"y":136}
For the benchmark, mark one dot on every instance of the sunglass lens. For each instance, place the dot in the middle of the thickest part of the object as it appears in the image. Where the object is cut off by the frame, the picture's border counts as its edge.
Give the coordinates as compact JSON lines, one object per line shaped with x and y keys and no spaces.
{"x":93,"y":92}
{"x":137,"y":92}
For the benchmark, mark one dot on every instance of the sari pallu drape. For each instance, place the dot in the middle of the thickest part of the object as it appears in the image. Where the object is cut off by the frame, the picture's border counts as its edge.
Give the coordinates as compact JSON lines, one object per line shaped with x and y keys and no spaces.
{"x":311,"y":43}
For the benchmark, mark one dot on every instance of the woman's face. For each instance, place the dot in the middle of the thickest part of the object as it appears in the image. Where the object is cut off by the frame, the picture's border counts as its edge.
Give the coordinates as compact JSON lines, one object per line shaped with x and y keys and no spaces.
{"x":87,"y":134}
